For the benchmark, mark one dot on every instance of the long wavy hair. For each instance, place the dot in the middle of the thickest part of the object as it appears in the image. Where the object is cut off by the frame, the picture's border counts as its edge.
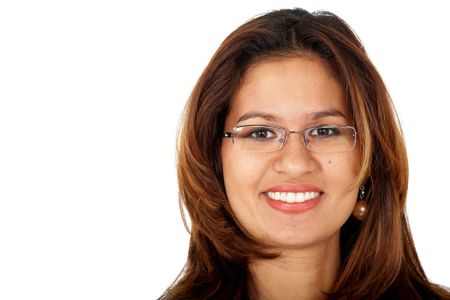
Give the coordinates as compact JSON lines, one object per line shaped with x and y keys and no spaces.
{"x":379,"y":260}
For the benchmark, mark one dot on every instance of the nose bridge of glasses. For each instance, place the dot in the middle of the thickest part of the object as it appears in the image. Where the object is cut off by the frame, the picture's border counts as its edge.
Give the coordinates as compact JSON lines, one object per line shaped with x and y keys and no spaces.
{"x":301,"y":137}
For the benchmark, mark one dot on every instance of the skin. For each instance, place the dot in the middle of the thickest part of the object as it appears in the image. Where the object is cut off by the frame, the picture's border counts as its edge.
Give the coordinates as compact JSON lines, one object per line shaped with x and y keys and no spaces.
{"x":292,"y":90}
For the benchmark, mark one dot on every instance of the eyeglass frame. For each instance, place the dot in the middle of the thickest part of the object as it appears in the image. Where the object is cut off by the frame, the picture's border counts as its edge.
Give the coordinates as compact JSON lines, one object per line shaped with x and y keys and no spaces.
{"x":231,"y":134}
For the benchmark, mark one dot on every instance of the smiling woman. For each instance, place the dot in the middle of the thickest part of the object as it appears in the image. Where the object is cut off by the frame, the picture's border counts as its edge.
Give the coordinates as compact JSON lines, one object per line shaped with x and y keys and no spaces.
{"x":288,"y":133}
{"x":299,"y":92}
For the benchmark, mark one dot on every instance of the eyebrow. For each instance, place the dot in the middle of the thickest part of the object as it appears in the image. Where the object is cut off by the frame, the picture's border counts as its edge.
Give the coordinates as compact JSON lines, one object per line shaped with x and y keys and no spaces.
{"x":256,"y":114}
{"x":326,"y":113}
{"x":312,"y":116}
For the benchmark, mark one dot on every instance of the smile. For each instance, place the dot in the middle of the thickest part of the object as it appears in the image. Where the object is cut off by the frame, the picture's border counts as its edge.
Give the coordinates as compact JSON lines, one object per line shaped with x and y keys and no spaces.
{"x":292,"y":197}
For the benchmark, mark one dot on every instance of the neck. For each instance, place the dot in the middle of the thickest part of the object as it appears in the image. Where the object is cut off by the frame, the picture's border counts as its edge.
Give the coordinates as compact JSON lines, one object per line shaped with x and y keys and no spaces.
{"x":298,"y":273}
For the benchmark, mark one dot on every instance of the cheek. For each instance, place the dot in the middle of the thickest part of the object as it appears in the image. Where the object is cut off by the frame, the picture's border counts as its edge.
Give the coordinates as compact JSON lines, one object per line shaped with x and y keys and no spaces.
{"x":344,"y":164}
{"x":340,"y":172}
{"x":242,"y":174}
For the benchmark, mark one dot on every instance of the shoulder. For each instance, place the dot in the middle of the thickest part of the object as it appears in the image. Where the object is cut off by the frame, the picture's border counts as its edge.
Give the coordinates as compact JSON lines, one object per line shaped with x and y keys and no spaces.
{"x":444,"y":291}
{"x":440,"y":287}
{"x":447,"y":289}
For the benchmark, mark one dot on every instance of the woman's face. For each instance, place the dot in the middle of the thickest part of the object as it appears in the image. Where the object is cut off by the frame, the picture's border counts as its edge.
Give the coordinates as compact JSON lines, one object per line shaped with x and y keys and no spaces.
{"x":294,"y":93}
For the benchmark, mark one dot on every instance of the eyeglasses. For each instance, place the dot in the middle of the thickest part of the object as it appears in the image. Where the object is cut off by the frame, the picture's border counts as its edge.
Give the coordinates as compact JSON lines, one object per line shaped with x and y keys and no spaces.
{"x":263,"y":138}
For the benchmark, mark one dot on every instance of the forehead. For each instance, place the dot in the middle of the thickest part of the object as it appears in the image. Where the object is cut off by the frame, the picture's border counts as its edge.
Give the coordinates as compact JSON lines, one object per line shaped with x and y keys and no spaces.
{"x":290,"y":88}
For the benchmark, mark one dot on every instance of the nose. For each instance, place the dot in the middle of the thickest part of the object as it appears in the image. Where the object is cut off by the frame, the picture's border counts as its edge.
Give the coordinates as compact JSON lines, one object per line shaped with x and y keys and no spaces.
{"x":294,"y":159}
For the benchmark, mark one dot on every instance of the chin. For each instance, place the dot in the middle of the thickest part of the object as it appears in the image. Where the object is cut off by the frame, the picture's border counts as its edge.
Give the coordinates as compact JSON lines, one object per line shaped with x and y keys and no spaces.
{"x":298,"y":240}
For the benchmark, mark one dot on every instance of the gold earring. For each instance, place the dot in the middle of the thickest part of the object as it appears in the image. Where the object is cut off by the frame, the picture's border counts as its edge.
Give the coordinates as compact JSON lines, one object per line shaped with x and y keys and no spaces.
{"x":360,"y":210}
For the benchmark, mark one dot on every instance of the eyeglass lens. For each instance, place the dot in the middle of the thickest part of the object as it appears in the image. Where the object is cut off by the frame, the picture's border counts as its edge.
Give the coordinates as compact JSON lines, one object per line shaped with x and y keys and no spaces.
{"x":327,"y":138}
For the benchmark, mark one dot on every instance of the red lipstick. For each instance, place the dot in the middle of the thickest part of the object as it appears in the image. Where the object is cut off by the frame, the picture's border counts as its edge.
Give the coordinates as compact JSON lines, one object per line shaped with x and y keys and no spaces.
{"x":294,"y":188}
{"x":293,"y":198}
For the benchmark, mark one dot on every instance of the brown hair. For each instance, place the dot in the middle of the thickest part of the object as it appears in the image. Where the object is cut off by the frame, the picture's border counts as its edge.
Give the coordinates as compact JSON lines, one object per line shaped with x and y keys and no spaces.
{"x":379,"y":259}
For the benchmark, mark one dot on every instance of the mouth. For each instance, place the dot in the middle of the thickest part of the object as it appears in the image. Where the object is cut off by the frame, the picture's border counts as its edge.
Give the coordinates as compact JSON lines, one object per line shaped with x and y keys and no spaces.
{"x":293,"y":197}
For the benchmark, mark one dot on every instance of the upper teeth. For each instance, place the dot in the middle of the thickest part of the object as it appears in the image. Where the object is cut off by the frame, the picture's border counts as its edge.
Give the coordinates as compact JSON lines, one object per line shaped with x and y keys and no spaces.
{"x":293,"y":197}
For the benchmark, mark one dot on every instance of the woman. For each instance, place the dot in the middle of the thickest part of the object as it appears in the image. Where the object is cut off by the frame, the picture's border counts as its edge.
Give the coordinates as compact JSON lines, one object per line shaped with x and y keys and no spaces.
{"x":293,"y":170}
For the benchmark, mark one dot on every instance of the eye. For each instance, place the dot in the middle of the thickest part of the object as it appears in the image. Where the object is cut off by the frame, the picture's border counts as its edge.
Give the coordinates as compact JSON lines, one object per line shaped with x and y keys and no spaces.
{"x":257,"y":133}
{"x":324,"y":132}
{"x":262,"y":133}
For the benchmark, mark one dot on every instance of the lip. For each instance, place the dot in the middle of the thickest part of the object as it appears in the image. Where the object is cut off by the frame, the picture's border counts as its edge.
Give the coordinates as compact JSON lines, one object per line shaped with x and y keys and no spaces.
{"x":293,"y":207}
{"x":293,"y":188}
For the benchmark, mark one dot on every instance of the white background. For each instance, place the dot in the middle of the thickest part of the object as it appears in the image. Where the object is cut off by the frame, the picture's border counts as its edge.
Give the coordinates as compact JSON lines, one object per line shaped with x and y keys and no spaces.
{"x":91,"y":95}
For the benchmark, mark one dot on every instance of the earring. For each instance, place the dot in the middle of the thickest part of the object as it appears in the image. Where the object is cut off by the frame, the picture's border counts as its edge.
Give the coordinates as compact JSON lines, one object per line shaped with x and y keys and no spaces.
{"x":360,"y":210}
